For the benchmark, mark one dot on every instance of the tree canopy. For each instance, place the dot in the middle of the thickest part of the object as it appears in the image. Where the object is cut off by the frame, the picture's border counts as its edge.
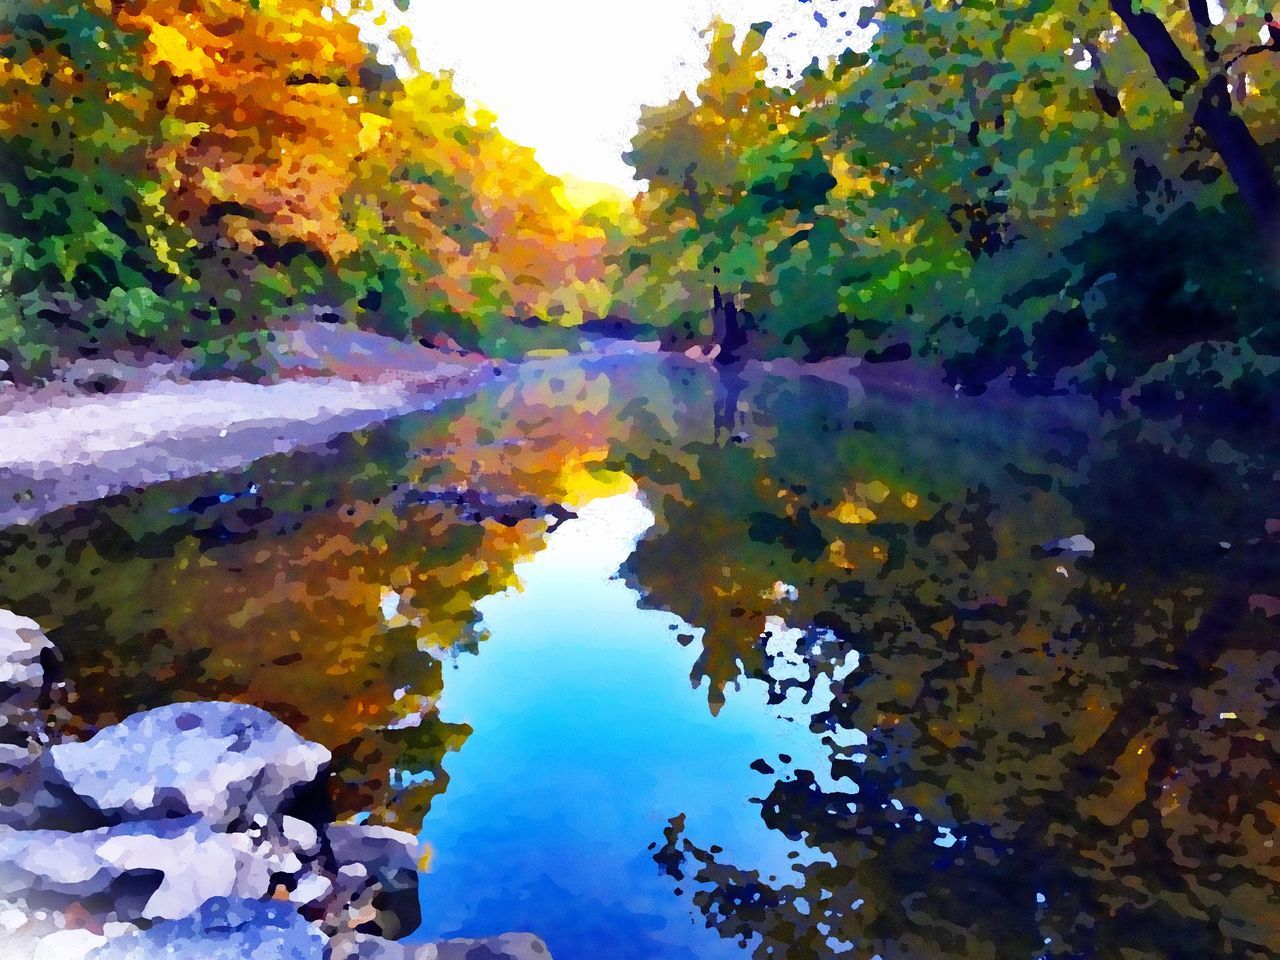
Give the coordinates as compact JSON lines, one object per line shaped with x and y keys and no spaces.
{"x":173,"y":171}
{"x":1045,"y":189}
{"x":1013,"y":186}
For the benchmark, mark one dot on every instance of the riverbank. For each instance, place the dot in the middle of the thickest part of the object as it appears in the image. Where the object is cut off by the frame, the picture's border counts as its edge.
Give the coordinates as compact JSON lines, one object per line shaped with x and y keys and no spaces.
{"x":199,"y":829}
{"x":105,"y":427}
{"x":62,"y":444}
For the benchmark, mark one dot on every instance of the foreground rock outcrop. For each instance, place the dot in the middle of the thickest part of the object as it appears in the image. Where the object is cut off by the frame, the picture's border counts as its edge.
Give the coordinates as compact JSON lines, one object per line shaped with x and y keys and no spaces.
{"x":29,"y":671}
{"x":508,"y":946}
{"x":223,"y":930}
{"x":196,"y":830}
{"x":224,"y":762}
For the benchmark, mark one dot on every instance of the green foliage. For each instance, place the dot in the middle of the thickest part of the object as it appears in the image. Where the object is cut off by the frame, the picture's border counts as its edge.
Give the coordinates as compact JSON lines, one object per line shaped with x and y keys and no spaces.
{"x":1009,"y":187}
{"x":242,"y":355}
{"x":139,"y":311}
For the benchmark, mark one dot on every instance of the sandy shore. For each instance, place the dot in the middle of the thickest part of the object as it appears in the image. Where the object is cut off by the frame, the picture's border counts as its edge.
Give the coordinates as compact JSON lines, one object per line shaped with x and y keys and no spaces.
{"x":58,"y":449}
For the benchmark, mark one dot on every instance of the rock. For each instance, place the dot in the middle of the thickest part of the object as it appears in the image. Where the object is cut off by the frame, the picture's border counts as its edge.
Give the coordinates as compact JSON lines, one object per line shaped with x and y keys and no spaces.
{"x":312,"y":888}
{"x":301,"y":835}
{"x":224,"y":929}
{"x":376,"y":878}
{"x":29,"y":665}
{"x":1077,"y":545}
{"x":32,"y":796}
{"x":380,"y":849}
{"x":362,"y":946}
{"x":23,"y":649}
{"x":67,"y":945}
{"x":149,"y":871}
{"x":30,"y":682}
{"x":50,"y":943}
{"x":1265,"y":604}
{"x":226,"y":762}
{"x":508,"y":946}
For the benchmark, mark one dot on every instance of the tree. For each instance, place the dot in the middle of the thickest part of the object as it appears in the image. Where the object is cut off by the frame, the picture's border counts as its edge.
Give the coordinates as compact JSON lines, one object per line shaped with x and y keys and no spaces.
{"x":178,"y":171}
{"x":973,"y":186}
{"x":1214,"y":109}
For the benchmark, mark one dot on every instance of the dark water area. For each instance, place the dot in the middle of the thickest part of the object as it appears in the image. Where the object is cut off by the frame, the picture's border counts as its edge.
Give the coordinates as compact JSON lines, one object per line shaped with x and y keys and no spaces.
{"x":671,"y":662}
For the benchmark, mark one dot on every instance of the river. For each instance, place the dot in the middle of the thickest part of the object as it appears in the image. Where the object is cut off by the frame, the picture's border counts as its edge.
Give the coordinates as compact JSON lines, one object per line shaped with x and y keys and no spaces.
{"x":667,"y":662}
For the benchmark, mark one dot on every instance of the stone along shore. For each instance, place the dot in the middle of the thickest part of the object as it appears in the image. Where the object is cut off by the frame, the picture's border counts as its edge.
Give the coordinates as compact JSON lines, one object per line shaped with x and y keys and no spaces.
{"x":198,"y":831}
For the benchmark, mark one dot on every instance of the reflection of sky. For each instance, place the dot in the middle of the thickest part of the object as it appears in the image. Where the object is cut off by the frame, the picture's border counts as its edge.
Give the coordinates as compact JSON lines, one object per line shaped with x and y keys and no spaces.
{"x":588,"y":738}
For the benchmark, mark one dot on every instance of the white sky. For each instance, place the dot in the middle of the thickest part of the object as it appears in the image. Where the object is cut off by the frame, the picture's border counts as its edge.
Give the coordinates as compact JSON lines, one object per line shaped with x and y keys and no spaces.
{"x":567,"y":77}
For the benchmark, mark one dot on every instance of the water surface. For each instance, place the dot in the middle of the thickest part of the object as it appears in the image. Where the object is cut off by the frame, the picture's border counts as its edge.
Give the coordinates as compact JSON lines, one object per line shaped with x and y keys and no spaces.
{"x":664,"y":659}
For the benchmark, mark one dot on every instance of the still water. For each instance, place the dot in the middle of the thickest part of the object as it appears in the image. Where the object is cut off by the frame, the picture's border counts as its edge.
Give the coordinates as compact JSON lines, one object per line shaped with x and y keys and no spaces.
{"x":587,"y":737}
{"x":667,"y":662}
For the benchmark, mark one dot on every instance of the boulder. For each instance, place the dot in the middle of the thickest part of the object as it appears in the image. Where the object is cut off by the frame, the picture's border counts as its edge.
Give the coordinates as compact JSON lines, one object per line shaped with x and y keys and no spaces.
{"x":507,"y":946}
{"x":132,"y":871}
{"x":29,"y":666}
{"x":1077,"y":545}
{"x":224,"y":929}
{"x":301,"y":835}
{"x":23,"y":651}
{"x":363,"y":946}
{"x":46,"y":942}
{"x":382,"y":850}
{"x":375,"y":878}
{"x":226,"y":762}
{"x":33,"y":796}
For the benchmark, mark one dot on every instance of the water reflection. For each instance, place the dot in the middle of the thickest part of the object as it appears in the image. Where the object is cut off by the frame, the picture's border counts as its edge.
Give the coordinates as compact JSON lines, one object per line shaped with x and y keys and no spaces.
{"x":1069,"y":752}
{"x":585,"y":737}
{"x":1019,"y":658}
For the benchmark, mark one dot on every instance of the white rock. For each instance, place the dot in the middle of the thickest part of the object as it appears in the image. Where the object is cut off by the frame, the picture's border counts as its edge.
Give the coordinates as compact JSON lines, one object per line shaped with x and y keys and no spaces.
{"x":222,"y":761}
{"x":1075,"y":545}
{"x":67,"y":945}
{"x":195,"y":864}
{"x":301,"y":834}
{"x":311,"y":889}
{"x":21,"y":643}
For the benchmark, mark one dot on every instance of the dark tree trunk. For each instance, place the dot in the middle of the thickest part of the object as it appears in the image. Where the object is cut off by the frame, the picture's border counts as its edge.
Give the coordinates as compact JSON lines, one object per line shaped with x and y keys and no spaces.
{"x":726,"y":327}
{"x":1241,"y":155}
{"x":1103,"y":88}
{"x":1214,"y":114}
{"x":1174,"y":70}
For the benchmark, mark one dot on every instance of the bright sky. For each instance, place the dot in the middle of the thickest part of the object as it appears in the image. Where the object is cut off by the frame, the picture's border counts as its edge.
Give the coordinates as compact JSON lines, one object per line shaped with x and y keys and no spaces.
{"x":567,"y":77}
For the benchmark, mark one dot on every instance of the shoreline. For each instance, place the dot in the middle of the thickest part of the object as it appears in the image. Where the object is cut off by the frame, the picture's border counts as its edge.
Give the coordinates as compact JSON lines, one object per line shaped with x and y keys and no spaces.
{"x":61,"y":445}
{"x":58,"y":448}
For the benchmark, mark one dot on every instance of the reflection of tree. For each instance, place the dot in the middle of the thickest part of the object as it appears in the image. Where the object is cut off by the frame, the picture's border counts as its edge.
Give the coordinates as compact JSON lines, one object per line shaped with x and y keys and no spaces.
{"x":1063,"y":746}
{"x":729,"y":384}
{"x":1099,"y":732}
{"x":275,"y":598}
{"x":314,"y":585}
{"x":326,"y":586}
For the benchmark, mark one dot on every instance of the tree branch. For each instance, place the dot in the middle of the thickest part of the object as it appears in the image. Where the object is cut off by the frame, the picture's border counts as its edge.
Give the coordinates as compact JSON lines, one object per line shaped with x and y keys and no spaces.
{"x":1240,"y":153}
{"x":1204,"y":28}
{"x":1174,"y":70}
{"x":1103,"y":88}
{"x":1249,"y":52}
{"x":1214,"y":114}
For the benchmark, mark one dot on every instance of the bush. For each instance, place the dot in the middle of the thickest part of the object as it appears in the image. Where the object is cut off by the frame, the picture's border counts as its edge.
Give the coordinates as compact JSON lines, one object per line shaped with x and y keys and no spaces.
{"x":240,"y":355}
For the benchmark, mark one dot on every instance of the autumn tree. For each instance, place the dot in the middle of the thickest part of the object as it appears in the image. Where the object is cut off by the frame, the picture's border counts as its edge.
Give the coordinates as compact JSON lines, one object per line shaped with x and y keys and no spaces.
{"x":177,"y":172}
